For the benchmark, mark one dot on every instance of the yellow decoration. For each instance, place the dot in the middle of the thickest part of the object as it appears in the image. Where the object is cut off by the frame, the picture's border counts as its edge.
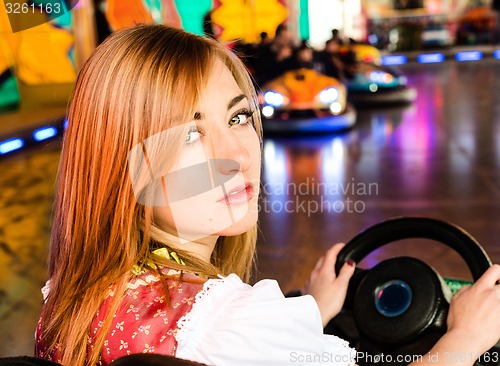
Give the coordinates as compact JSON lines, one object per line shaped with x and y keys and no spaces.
{"x":246,"y":19}
{"x":8,"y":41}
{"x":43,"y":56}
{"x":39,"y":54}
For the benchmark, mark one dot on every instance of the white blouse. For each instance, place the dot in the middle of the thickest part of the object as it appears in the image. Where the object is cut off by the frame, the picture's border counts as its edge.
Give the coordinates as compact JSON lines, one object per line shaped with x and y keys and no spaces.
{"x":233,"y":323}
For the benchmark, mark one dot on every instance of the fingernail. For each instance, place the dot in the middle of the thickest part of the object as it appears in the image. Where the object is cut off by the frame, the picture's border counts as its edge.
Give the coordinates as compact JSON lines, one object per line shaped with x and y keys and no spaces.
{"x":351,"y":263}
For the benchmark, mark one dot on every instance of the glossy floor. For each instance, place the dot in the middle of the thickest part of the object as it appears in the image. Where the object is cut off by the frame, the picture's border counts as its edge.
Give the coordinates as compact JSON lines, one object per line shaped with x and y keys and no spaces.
{"x":439,"y":157}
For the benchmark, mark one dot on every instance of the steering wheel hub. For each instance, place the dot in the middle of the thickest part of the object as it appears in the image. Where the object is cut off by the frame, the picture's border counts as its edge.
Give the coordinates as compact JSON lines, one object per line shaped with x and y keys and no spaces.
{"x":393,"y":298}
{"x":398,"y":300}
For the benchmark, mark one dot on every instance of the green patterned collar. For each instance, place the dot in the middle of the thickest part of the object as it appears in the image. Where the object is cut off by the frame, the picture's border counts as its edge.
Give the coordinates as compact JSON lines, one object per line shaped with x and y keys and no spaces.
{"x":138,"y":269}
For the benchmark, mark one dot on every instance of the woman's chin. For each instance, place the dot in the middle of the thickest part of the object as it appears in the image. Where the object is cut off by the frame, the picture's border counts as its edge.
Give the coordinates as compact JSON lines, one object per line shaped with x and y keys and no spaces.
{"x":241,"y":226}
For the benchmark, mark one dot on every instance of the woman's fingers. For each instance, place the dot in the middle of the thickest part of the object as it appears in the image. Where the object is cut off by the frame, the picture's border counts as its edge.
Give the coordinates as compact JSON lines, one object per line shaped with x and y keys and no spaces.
{"x":319,"y":263}
{"x":473,"y":314}
{"x":330,"y":258}
{"x":462,"y":290}
{"x":345,"y":274}
{"x":329,"y":290}
{"x":490,"y":277}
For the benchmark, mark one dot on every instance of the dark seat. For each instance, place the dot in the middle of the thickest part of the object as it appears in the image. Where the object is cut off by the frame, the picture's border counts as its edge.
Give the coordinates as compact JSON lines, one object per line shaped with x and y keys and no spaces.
{"x":26,"y":361}
{"x":143,"y":359}
{"x":151,"y":359}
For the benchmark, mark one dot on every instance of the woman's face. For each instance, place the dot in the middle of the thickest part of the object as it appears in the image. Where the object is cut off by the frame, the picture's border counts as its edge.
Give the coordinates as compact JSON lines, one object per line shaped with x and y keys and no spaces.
{"x":213,"y":187}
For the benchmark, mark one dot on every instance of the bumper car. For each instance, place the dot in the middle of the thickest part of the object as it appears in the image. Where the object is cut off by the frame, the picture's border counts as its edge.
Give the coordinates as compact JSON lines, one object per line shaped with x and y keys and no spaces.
{"x":477,"y":26}
{"x":372,"y":84}
{"x":305,"y":101}
{"x":363,"y":53}
{"x":436,"y":35}
{"x":398,"y":308}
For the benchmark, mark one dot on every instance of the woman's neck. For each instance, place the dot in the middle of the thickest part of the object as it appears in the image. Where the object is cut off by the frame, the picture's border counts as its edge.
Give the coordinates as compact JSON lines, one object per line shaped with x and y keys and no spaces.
{"x":200,"y":248}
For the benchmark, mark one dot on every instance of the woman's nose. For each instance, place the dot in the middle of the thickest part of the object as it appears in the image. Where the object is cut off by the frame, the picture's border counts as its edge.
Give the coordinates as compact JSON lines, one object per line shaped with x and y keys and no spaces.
{"x":230,"y":154}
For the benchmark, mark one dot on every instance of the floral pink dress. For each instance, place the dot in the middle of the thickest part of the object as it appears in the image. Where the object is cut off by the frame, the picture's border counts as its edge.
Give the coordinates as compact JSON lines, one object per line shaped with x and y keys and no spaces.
{"x":145,"y":322}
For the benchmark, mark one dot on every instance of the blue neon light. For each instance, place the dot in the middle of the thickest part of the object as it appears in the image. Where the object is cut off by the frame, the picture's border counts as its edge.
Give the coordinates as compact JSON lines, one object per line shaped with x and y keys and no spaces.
{"x":10,"y":145}
{"x":469,"y":56}
{"x":66,"y":121}
{"x":496,"y":54}
{"x":430,"y":58}
{"x":394,"y":60}
{"x":44,"y":133}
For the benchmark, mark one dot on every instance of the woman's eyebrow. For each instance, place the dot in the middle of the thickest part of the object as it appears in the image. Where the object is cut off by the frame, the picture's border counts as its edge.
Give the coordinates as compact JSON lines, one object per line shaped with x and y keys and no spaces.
{"x":198,"y":116}
{"x":235,"y":101}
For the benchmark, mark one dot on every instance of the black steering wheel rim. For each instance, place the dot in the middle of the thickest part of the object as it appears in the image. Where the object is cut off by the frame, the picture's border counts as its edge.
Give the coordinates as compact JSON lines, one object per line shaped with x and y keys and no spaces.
{"x":400,"y":228}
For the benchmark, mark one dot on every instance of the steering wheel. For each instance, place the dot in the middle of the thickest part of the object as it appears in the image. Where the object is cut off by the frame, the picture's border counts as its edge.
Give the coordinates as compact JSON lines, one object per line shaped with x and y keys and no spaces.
{"x":399,"y":307}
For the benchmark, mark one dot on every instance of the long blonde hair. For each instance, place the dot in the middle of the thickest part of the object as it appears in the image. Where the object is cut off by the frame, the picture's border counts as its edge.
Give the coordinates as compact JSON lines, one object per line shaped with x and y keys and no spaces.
{"x":139,"y":82}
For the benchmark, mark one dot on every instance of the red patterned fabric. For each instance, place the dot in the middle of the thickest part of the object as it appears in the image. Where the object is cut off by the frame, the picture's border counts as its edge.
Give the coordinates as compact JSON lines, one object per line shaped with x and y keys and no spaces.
{"x":145,"y":322}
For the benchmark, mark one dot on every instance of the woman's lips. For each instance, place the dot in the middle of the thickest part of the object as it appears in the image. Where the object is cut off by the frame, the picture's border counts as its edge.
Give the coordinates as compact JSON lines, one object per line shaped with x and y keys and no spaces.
{"x":238,"y":195}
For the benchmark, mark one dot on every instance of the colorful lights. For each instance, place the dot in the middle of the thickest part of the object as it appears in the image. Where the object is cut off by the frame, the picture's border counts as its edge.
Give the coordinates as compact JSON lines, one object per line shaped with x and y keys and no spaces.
{"x":392,"y":60}
{"x":329,"y":95}
{"x":274,"y":99}
{"x":380,"y":77}
{"x":44,"y":133}
{"x":17,"y":140}
{"x":336,"y":108}
{"x":10,"y":145}
{"x":268,"y":111}
{"x":430,"y":58}
{"x":468,"y":56}
{"x":438,"y":57}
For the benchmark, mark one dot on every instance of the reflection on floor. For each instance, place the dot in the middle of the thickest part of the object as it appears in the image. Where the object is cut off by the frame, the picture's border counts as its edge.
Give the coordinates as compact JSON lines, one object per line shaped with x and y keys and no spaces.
{"x":439,"y":158}
{"x":27,"y":183}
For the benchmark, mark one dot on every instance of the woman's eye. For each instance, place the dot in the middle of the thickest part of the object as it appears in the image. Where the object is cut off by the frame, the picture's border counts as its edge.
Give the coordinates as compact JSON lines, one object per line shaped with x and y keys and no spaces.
{"x":240,"y":118}
{"x":193,"y":135}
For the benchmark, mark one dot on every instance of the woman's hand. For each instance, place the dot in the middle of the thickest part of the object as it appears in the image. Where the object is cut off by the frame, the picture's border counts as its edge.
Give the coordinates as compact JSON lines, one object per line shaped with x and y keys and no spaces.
{"x":329,"y":290}
{"x":473,"y":323}
{"x":475,"y":311}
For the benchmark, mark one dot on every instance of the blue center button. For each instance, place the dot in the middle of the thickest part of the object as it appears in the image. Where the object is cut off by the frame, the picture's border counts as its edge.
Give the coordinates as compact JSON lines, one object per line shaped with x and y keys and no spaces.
{"x":393,"y":298}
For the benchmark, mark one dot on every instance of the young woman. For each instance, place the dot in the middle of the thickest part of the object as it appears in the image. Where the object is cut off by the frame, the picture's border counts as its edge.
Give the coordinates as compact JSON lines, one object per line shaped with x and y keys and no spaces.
{"x":155,"y":222}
